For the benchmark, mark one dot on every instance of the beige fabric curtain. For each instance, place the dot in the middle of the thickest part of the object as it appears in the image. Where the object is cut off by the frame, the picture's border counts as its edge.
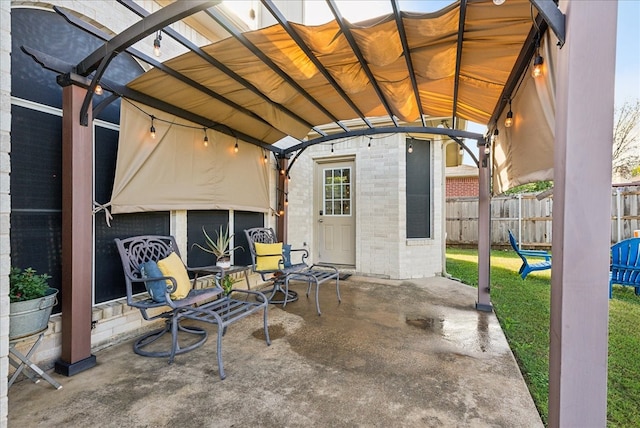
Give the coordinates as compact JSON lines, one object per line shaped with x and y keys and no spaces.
{"x":523,"y":153}
{"x":175,"y":171}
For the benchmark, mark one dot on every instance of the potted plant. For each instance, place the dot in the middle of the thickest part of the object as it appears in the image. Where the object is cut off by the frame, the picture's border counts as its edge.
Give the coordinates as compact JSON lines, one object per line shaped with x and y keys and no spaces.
{"x":31,"y":302}
{"x":219,"y":246}
{"x":227,"y":283}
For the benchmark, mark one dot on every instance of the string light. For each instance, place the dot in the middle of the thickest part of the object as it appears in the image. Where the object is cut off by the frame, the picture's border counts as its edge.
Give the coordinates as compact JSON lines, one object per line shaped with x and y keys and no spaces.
{"x":265,"y":160}
{"x":205,"y":141}
{"x":487,"y":147}
{"x":152,"y":130}
{"x":286,"y":201}
{"x":331,"y":148}
{"x":235,"y":148}
{"x":461,"y":151}
{"x":538,"y":60}
{"x":282,"y":171}
{"x":156,"y":44}
{"x":369,"y":145}
{"x":537,"y":66}
{"x":508,"y":122}
{"x":410,"y":150}
{"x":98,"y":90}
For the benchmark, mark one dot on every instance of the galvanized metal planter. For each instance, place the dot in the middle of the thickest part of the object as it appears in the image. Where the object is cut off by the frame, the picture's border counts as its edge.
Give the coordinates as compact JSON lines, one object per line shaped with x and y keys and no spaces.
{"x":31,"y":316}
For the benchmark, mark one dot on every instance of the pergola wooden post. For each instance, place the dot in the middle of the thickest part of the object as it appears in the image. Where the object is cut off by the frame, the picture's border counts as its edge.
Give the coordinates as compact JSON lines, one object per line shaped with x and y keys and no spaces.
{"x":582,"y":216}
{"x":77,"y":173}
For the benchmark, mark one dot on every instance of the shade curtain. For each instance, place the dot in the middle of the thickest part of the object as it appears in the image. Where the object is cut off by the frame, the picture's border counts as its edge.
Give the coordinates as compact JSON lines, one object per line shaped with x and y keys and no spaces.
{"x":523,"y":153}
{"x":176,"y":171}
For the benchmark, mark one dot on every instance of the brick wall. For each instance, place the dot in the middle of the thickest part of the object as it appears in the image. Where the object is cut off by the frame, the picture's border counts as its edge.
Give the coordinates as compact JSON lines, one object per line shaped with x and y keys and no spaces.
{"x":382,"y":248}
{"x":462,"y":186}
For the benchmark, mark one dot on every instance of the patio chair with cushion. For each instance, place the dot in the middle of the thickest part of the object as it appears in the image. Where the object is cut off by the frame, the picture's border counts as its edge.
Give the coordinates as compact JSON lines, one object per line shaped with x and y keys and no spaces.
{"x":279,"y":263}
{"x":171,"y":295}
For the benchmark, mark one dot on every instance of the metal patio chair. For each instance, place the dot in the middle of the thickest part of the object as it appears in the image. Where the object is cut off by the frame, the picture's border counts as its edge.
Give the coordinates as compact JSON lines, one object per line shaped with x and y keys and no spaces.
{"x":286,"y":264}
{"x":210,"y":305}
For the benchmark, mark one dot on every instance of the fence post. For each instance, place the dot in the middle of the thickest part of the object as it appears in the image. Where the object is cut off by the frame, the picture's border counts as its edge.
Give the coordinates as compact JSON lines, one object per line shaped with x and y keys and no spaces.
{"x":520,"y":218}
{"x":618,"y":216}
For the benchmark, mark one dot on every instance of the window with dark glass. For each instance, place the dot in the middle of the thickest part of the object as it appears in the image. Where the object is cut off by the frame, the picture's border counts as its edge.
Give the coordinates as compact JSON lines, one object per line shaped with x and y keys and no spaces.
{"x":418,"y":154}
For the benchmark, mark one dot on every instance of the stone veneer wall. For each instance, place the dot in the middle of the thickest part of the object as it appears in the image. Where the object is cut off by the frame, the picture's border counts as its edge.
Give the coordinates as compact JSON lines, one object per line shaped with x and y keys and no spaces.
{"x":382,"y":248}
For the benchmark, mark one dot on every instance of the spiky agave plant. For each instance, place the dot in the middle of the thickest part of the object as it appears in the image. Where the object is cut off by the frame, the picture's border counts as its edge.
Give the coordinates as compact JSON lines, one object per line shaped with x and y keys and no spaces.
{"x":220,"y":245}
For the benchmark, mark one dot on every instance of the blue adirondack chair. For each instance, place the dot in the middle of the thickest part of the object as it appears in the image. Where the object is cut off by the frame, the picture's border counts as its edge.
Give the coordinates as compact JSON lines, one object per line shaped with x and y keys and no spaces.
{"x":625,"y":264}
{"x":528,"y":267}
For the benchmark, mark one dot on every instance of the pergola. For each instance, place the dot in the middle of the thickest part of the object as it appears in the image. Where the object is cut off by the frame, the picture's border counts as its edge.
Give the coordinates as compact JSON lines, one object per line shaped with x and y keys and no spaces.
{"x":464,"y":62}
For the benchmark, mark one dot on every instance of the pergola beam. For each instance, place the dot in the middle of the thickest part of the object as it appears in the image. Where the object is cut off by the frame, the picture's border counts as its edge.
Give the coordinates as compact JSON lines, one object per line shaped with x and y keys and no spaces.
{"x":141,"y":29}
{"x":453,"y":133}
{"x":407,"y":56}
{"x":224,"y":23}
{"x":217,"y":64}
{"x":361,"y":59}
{"x":268,"y":4}
{"x":552,"y":16}
{"x":83,"y":25}
{"x":456,"y":84}
{"x":520,"y":66}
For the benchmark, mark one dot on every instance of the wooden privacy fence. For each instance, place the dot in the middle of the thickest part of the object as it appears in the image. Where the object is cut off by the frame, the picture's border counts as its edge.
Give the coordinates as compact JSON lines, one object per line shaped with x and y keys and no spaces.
{"x":530,"y":219}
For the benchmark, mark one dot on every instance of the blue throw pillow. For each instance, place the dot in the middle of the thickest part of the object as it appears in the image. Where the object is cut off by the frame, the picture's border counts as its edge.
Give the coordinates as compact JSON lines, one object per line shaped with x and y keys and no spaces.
{"x":156,"y":288}
{"x":286,"y":255}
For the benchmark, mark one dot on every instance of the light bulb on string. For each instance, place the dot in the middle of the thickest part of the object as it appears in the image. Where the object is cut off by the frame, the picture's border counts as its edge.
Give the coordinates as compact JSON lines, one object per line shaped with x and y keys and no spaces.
{"x":205,"y":141}
{"x":410,"y":149}
{"x":369,"y":145}
{"x":156,"y":44}
{"x":152,"y":130}
{"x":235,"y":148}
{"x":98,"y":90}
{"x":537,"y":66}
{"x":508,"y":122}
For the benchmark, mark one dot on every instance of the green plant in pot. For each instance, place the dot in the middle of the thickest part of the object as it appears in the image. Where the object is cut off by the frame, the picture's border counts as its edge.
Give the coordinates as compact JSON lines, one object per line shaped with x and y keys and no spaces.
{"x":219,"y":246}
{"x":227,"y":283}
{"x":31,"y":302}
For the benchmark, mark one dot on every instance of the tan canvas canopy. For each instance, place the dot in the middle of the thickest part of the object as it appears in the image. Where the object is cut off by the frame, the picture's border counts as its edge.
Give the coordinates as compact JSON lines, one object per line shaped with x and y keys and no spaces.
{"x":290,"y":80}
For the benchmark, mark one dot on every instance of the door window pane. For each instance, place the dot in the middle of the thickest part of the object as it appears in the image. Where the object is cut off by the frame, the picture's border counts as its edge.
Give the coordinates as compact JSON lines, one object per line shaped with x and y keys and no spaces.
{"x":337,"y":191}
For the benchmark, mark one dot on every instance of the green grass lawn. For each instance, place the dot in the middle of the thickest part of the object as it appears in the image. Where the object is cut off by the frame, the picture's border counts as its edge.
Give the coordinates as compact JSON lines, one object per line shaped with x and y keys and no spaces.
{"x":522,"y":307}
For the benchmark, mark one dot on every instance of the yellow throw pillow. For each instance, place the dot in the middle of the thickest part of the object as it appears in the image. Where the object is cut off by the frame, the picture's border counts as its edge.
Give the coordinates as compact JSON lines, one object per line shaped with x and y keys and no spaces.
{"x":268,"y":256}
{"x":173,"y":266}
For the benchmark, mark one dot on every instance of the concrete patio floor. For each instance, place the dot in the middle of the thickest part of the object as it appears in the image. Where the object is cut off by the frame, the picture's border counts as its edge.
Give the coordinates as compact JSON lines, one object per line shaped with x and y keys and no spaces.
{"x":393,"y":353}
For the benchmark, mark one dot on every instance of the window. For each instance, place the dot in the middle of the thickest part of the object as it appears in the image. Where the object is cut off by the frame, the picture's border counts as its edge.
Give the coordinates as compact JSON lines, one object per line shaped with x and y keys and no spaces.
{"x":337,"y":191}
{"x":418,"y":188}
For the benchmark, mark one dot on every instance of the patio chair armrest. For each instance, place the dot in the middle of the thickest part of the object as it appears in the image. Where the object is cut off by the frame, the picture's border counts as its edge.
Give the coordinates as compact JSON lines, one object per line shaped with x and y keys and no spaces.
{"x":170,"y":288}
{"x":536,"y":253}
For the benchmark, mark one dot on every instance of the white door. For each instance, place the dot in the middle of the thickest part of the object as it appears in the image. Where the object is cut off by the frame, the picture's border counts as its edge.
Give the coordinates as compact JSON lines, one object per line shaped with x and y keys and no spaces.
{"x":335,"y":212}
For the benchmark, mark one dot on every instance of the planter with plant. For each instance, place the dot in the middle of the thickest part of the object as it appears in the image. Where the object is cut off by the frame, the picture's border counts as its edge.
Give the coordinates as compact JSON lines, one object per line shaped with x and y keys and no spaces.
{"x":227,"y":283}
{"x":219,"y":246}
{"x":31,"y":302}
